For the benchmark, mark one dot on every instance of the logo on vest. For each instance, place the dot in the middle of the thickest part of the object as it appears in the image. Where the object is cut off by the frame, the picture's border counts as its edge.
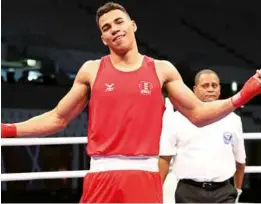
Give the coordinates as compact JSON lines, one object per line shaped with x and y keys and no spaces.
{"x":145,"y":87}
{"x":109,"y":87}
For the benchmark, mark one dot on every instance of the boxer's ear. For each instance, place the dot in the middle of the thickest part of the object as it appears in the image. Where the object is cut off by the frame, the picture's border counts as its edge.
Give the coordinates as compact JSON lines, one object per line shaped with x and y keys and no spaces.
{"x":104,"y":42}
{"x":134,"y":25}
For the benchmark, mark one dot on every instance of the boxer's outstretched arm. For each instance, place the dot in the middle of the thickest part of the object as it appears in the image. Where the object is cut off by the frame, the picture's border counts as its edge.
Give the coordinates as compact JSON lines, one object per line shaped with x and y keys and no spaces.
{"x":198,"y":112}
{"x":201,"y":113}
{"x":57,"y":119}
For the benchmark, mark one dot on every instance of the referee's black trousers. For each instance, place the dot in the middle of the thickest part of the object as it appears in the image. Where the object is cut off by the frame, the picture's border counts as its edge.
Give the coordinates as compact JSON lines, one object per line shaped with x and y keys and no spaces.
{"x":189,"y":191}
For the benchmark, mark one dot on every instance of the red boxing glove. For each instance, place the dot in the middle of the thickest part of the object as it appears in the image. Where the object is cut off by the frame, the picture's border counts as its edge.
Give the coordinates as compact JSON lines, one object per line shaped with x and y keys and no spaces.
{"x":8,"y":130}
{"x":250,"y":89}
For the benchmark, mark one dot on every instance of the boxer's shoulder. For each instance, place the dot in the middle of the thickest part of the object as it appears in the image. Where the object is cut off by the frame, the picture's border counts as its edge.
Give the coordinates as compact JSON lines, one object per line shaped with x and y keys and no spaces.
{"x":88,"y":71}
{"x":161,"y":67}
{"x":167,"y":70}
{"x":163,"y":64}
{"x":91,"y":65}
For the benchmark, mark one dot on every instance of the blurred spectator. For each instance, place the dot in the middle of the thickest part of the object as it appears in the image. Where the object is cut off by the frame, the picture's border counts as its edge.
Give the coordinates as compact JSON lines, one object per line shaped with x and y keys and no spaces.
{"x":10,"y":77}
{"x":24,"y":77}
{"x":2,"y":79}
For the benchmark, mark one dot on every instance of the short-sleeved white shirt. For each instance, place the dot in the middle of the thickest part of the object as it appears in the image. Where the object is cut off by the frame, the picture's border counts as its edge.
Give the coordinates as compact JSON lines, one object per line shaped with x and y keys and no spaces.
{"x":203,"y":154}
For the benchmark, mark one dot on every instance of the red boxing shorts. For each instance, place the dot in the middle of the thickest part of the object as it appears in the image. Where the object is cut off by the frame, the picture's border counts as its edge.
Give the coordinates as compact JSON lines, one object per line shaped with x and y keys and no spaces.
{"x":122,"y":186}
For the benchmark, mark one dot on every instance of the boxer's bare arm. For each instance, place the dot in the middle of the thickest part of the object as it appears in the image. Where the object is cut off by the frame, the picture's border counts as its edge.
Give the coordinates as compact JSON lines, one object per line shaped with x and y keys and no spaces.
{"x":187,"y":103}
{"x":67,"y":109}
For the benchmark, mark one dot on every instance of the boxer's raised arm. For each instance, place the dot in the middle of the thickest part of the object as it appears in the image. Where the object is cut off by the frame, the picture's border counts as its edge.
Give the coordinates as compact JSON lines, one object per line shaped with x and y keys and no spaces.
{"x":56,"y":119}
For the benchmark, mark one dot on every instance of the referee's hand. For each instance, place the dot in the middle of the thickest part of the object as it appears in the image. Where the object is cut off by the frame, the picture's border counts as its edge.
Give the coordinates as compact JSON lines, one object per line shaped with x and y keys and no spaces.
{"x":239,"y":191}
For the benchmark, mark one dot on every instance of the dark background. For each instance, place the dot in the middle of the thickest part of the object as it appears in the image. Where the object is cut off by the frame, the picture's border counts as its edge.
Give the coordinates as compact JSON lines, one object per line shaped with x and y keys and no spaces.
{"x":61,"y":35}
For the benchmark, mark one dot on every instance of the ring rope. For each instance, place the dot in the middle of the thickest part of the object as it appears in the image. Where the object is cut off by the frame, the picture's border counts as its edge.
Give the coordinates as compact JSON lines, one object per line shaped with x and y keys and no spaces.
{"x":73,"y":174}
{"x":74,"y":140}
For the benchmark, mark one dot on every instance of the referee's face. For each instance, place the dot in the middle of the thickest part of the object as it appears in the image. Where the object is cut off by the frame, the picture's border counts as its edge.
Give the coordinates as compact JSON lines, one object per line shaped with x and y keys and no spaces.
{"x":208,"y":87}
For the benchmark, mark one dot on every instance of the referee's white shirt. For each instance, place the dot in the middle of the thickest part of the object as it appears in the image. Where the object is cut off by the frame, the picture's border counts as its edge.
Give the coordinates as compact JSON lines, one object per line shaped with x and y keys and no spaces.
{"x":203,"y":154}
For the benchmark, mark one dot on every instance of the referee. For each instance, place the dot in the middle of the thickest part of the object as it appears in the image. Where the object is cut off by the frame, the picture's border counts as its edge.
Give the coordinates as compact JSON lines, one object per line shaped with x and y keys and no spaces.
{"x":204,"y":159}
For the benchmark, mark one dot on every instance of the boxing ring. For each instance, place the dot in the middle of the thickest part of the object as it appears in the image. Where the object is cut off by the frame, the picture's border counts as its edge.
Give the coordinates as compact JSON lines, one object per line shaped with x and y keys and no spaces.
{"x":168,"y":188}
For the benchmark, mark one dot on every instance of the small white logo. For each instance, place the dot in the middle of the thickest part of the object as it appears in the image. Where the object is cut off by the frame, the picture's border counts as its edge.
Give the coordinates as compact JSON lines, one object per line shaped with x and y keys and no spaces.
{"x":109,"y":87}
{"x":145,"y":87}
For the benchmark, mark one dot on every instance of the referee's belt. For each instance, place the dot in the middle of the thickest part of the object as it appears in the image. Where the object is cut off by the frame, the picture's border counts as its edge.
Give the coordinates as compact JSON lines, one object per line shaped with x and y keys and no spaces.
{"x":205,"y":185}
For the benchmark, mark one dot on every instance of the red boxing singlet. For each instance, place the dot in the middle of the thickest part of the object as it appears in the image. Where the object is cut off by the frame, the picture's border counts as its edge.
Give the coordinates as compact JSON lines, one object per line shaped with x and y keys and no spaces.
{"x":125,"y":111}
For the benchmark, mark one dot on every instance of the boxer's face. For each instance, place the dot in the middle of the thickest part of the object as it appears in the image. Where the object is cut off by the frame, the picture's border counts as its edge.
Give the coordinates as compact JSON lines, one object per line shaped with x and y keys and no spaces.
{"x":208,"y":87}
{"x":118,"y":30}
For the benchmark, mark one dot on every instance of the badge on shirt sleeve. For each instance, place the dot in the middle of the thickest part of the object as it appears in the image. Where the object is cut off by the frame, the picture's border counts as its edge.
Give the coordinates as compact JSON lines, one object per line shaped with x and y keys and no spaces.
{"x":227,"y":136}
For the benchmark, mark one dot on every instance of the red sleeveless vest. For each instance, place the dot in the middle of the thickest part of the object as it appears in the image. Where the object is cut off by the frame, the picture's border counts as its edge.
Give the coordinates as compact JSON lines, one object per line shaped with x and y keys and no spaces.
{"x":125,"y":111}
